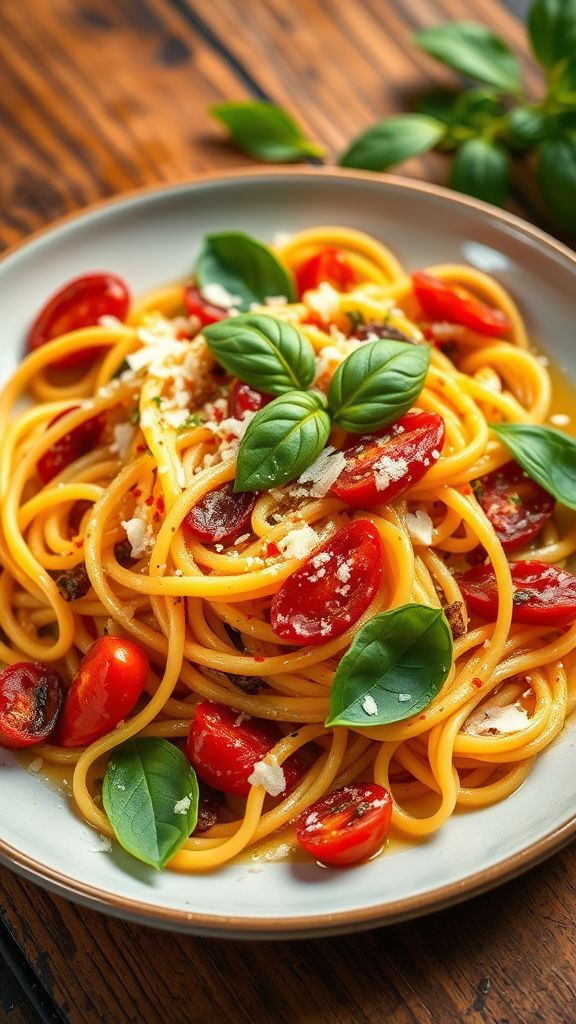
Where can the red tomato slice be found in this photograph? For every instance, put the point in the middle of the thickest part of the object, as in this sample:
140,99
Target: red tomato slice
70,446
243,398
104,690
452,304
30,700
329,265
196,305
516,506
224,748
79,303
347,826
543,594
220,515
332,589
380,468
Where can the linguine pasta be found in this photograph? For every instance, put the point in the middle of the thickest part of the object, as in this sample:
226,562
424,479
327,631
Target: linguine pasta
201,610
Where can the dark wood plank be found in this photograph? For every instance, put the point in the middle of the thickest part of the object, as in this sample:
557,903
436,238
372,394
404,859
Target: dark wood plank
22,997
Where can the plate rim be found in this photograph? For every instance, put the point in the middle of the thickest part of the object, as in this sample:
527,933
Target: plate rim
201,923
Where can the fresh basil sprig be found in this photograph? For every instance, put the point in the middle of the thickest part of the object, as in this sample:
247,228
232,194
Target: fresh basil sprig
397,663
484,125
244,267
150,795
265,131
546,455
267,353
376,384
283,439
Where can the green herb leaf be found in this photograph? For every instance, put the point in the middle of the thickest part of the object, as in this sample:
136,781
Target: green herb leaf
564,87
552,30
390,142
546,455
244,266
557,177
376,384
265,131
480,169
474,51
476,108
396,665
283,439
150,795
525,127
193,420
270,355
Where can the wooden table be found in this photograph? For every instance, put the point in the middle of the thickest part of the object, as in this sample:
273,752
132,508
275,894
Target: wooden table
101,96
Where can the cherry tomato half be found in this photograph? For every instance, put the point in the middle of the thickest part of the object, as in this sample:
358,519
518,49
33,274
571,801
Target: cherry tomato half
220,515
196,305
543,594
223,747
332,589
104,690
455,305
70,446
79,303
516,506
380,468
347,826
30,700
329,265
243,398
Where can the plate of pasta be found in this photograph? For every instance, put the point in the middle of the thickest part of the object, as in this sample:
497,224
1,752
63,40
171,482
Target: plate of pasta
288,497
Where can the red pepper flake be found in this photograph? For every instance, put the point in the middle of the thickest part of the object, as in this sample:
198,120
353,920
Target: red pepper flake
136,492
272,549
258,657
477,682
79,543
160,505
218,414
141,447
149,501
421,717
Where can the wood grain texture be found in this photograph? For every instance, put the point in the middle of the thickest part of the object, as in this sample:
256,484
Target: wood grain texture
505,958
98,97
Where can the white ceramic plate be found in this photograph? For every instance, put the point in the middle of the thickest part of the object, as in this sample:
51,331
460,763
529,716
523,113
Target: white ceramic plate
150,238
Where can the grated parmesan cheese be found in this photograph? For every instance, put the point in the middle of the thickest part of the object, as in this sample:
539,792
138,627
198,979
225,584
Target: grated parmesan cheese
299,543
35,766
387,471
181,806
123,437
270,775
419,527
324,300
560,419
496,720
369,705
139,535
323,472
218,295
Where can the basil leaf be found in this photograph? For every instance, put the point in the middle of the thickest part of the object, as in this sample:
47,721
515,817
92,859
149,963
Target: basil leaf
376,384
546,455
265,131
480,169
150,795
564,87
244,267
474,51
283,439
390,142
557,177
552,30
270,355
396,665
525,127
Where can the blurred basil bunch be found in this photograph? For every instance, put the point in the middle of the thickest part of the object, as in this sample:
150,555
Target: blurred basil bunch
483,125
